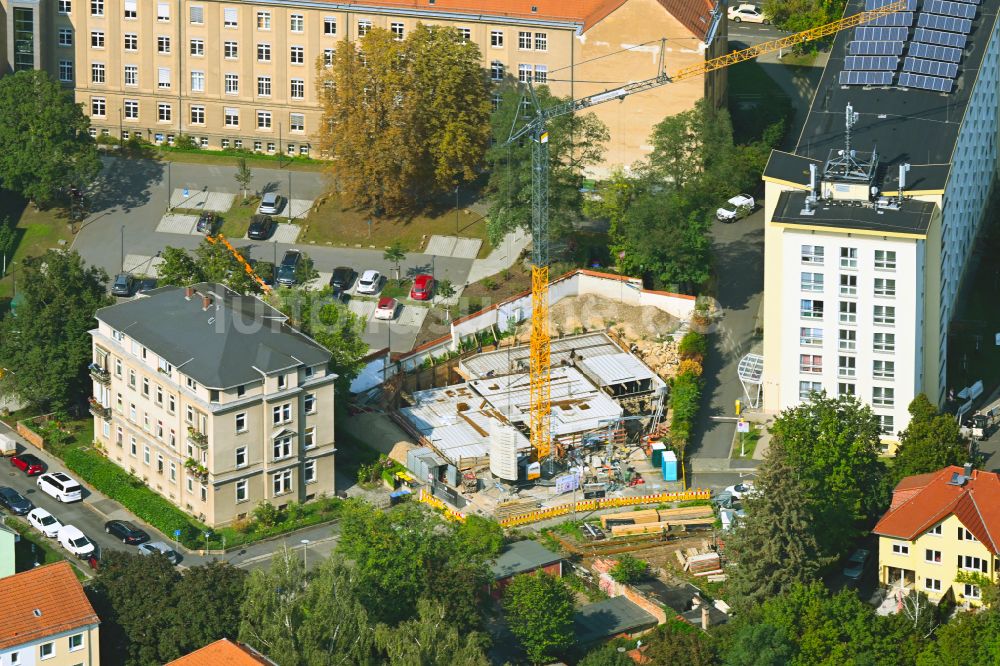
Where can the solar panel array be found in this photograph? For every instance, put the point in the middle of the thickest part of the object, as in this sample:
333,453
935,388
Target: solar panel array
940,32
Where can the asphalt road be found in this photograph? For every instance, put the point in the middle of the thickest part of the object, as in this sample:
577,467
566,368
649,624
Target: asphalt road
751,34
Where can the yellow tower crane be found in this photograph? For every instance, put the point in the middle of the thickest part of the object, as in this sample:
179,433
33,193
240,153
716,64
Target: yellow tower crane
535,128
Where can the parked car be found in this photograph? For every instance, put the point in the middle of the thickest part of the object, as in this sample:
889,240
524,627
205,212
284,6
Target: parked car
159,548
342,278
288,269
736,208
207,222
369,282
740,489
61,486
748,13
855,566
44,522
270,204
75,541
261,227
423,287
386,308
123,285
30,464
14,501
126,531
146,284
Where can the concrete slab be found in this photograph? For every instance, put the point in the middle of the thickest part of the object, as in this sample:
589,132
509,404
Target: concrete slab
364,309
299,208
286,233
411,315
218,202
467,248
142,264
442,246
453,246
175,223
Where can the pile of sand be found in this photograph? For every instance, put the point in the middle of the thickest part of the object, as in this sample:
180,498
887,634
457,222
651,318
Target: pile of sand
589,312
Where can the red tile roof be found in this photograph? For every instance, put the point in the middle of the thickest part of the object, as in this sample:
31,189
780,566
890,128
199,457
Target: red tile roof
41,602
223,652
920,502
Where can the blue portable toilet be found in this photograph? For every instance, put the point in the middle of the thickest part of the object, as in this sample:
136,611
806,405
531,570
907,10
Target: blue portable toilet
669,466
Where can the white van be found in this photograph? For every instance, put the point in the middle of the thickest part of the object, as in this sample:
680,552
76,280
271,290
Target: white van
60,486
75,541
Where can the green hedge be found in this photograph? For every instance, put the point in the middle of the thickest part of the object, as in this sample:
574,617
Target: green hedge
685,397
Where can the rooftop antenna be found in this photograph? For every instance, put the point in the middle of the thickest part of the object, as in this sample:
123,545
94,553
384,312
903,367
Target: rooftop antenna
811,198
850,119
904,168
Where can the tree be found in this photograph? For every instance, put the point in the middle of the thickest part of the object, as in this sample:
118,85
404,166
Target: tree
445,290
799,15
539,611
8,239
677,642
430,639
628,569
477,539
774,546
211,262
44,141
243,176
930,442
755,644
576,141
395,254
178,268
606,655
47,345
969,638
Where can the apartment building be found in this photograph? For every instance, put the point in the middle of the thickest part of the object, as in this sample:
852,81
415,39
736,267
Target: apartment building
213,400
236,74
938,526
870,222
47,619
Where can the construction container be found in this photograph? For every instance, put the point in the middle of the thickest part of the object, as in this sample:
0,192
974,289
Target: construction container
669,466
657,453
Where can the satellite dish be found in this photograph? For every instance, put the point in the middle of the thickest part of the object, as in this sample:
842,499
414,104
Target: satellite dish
840,152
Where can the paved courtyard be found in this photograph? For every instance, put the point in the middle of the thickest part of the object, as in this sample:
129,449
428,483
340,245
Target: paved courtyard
217,202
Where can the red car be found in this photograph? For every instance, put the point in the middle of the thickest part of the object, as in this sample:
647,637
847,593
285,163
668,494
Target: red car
423,287
28,464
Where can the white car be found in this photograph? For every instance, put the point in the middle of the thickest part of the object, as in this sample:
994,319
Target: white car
75,541
747,13
61,486
740,489
738,207
369,282
44,522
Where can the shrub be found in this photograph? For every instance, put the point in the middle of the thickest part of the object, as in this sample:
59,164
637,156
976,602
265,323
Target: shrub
489,284
685,396
266,515
693,345
689,366
628,569
185,142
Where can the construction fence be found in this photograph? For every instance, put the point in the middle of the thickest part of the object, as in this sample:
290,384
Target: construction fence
604,503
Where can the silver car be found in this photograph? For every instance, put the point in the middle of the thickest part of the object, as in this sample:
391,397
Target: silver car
158,547
270,204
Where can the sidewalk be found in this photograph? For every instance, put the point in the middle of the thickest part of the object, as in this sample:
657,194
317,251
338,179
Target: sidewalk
503,256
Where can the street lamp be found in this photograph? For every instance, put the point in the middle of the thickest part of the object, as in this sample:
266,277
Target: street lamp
305,553
123,249
456,210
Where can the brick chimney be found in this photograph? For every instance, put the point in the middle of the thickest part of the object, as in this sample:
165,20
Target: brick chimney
704,617
206,301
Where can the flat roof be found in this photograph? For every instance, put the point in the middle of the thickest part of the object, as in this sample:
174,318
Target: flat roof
515,359
595,622
619,368
453,420
521,557
913,217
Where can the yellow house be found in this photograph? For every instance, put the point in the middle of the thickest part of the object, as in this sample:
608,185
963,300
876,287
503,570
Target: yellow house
939,525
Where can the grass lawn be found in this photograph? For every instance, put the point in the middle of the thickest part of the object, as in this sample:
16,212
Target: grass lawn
38,231
749,442
220,158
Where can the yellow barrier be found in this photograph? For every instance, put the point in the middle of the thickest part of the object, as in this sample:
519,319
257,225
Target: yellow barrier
430,500
605,503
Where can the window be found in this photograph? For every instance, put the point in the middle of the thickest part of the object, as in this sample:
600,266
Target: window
65,37
541,41
131,9
263,86
171,403
241,457
131,41
329,26
465,34
66,71
496,70
811,282
298,89
846,388
397,31
197,115
282,482
296,22
297,55
162,44
808,388
75,642
296,122
966,535
884,287
848,285
281,413
232,117
309,471
932,584
97,7
241,422
263,120
309,438
846,367
885,424
884,369
304,150
145,387
811,336
163,77
810,363
885,260
310,372
97,39
933,556
972,591
884,342
496,38
364,25
46,650
241,491
883,397
232,84
810,309
231,50
263,52
309,403
541,74
327,57
163,11
163,112
65,6
847,340
849,258
263,20
901,549
970,563
198,83
198,47
132,76
282,382
257,145
524,73
848,313
936,530
884,314
133,447
229,17
98,108
524,41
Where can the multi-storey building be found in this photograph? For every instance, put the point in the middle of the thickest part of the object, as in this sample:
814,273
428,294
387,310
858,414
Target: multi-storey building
47,619
213,400
862,271
938,526
236,74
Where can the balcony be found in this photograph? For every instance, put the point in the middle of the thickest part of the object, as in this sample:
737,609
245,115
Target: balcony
99,410
196,438
99,374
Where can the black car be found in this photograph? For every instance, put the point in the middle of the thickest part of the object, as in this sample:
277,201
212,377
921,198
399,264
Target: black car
14,502
126,531
206,223
342,278
261,227
287,271
123,285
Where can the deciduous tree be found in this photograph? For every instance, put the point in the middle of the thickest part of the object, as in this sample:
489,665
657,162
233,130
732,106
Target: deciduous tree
395,254
677,642
539,611
930,441
430,639
210,262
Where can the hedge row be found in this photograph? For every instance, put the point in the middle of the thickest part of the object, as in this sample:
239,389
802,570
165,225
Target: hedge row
685,389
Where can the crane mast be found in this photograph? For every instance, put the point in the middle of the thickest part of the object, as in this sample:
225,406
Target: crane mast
535,129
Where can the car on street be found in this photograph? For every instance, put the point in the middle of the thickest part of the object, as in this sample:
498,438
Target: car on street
123,285
72,539
342,278
747,13
736,208
207,222
369,282
270,204
30,464
61,486
146,284
739,490
126,531
261,227
44,522
386,308
14,501
855,566
287,274
159,548
423,287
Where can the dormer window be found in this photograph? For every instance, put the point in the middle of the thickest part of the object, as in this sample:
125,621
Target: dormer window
282,382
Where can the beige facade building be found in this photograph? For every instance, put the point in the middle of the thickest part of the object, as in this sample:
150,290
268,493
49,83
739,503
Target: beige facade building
237,74
213,400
